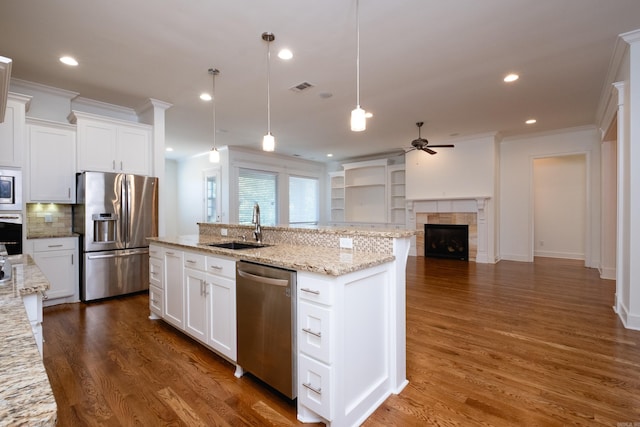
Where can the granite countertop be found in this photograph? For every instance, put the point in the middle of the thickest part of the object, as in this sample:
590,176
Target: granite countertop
26,397
316,259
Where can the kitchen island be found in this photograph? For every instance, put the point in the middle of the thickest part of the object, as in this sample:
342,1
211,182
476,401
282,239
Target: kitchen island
26,397
351,326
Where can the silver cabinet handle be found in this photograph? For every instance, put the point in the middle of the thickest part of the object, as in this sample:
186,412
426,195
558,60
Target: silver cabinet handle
69,192
120,164
216,267
311,291
54,246
190,261
114,165
312,388
309,331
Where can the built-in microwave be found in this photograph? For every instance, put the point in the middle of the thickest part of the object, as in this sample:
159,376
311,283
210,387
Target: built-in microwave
10,190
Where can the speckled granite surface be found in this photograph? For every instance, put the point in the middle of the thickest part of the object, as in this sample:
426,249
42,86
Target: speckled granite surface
324,260
26,398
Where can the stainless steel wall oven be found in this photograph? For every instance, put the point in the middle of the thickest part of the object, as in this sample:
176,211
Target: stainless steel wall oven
11,232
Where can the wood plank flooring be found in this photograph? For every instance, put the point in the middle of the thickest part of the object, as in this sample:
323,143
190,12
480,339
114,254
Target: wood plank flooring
511,344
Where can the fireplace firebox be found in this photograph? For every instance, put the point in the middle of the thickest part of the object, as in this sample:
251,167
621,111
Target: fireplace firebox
446,241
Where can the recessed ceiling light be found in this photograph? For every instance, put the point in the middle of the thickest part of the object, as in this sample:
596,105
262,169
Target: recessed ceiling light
511,78
169,149
531,121
329,155
285,54
368,115
205,97
68,60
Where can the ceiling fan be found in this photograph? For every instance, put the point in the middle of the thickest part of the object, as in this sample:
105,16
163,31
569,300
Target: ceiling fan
421,143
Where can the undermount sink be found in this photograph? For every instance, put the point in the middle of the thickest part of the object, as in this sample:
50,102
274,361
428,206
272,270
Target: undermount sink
238,245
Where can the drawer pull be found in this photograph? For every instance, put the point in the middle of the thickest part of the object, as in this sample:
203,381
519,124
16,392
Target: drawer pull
312,388
216,267
309,331
190,261
311,291
54,246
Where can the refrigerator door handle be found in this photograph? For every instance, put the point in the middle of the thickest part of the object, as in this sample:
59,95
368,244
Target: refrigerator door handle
119,254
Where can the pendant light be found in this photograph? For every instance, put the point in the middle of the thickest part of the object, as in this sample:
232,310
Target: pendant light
358,118
268,141
214,154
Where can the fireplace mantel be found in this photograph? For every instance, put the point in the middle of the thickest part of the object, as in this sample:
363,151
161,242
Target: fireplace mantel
476,204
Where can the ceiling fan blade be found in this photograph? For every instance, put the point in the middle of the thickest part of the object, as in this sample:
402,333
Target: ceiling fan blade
428,150
442,146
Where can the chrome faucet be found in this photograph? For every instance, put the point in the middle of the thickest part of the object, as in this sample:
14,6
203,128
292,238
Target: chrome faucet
257,232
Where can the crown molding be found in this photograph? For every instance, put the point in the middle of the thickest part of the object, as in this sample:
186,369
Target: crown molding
44,88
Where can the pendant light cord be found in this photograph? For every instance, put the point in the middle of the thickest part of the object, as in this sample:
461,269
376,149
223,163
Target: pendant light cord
269,87
358,53
214,72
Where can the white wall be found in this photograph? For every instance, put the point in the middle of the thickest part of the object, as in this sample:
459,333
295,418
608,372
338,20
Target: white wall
468,170
170,204
516,188
190,197
559,188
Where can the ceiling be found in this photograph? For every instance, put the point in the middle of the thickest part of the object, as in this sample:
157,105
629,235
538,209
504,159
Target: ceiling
437,61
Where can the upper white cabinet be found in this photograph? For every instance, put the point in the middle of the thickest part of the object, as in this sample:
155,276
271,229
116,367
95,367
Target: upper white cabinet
365,186
337,195
396,194
111,145
52,161
12,130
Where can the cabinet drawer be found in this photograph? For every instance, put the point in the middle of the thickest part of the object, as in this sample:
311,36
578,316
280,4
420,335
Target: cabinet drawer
221,267
55,244
314,326
314,386
314,288
156,251
195,261
156,296
156,272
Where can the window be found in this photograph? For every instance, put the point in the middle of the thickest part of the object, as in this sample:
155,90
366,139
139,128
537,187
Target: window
257,187
303,200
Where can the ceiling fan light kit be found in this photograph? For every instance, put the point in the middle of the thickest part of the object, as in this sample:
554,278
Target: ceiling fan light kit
422,144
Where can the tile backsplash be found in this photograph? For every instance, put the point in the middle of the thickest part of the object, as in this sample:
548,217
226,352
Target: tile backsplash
49,220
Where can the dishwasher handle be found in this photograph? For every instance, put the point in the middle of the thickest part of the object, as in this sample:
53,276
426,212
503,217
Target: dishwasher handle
264,280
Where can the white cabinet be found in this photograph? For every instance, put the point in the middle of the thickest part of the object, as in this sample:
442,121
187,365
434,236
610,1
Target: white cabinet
221,302
156,281
396,187
33,306
195,289
12,130
174,288
336,180
110,145
365,186
52,162
199,297
344,345
58,260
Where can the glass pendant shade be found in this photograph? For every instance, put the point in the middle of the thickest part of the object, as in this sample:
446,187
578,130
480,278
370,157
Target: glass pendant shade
268,142
358,119
214,155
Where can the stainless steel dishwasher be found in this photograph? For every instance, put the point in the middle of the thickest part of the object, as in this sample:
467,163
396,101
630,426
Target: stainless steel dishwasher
266,318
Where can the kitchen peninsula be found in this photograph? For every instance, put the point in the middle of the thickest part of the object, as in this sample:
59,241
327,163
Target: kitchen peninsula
351,319
26,397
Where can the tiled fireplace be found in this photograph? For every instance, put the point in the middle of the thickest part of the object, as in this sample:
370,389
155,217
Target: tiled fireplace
469,212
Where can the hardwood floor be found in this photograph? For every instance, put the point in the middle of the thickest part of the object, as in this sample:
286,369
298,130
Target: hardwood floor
510,344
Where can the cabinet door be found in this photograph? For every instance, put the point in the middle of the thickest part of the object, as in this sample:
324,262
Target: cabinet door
195,320
96,146
174,289
222,315
52,153
59,269
12,133
134,150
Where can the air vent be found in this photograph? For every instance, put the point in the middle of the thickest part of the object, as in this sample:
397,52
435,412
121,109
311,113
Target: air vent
301,87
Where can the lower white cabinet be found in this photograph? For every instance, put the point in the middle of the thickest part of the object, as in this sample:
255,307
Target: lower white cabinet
174,288
58,260
33,306
199,296
156,281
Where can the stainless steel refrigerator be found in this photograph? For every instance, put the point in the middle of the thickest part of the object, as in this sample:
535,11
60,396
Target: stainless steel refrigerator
115,213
